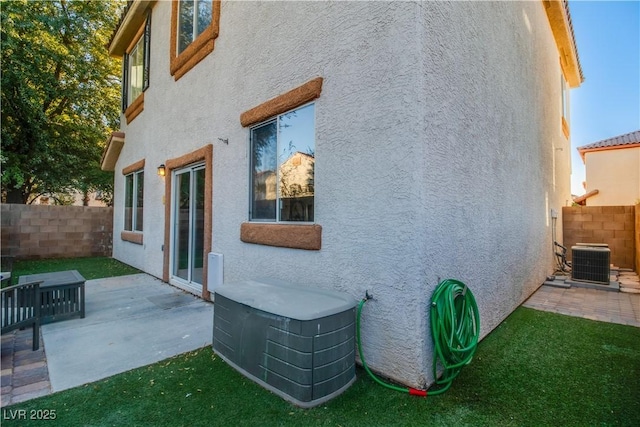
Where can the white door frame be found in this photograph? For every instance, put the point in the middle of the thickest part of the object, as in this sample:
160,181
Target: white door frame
188,285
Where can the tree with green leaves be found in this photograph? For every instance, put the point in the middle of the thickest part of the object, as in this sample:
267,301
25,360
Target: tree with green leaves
60,96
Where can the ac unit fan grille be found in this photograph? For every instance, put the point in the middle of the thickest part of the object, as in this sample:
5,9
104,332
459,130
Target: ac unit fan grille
590,264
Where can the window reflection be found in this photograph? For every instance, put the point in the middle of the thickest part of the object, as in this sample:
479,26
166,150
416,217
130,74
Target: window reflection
193,18
133,201
204,16
128,202
139,200
136,71
283,162
296,156
263,151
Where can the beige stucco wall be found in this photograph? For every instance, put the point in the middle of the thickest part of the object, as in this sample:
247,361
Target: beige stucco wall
439,153
616,176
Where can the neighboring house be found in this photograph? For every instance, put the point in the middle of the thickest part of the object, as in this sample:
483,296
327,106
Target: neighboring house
612,169
352,146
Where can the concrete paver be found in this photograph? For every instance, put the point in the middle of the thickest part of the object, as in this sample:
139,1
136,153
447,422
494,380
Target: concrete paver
613,307
24,372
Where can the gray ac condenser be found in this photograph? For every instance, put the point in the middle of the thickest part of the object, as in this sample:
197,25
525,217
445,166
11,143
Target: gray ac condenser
590,264
296,341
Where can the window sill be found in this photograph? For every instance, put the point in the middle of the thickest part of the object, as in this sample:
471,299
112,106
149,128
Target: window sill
130,236
294,236
135,108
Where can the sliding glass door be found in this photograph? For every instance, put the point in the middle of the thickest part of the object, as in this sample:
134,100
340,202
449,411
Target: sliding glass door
187,248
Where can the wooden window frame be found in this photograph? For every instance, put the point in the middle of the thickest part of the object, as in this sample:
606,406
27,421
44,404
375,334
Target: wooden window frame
133,236
286,235
202,46
136,106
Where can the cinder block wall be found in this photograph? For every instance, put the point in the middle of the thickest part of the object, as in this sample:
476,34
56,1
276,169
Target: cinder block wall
37,231
613,225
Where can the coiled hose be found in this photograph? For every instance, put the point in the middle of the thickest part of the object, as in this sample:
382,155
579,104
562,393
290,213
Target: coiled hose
455,328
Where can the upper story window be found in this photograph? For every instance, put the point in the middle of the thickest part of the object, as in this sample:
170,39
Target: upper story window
133,200
194,28
282,167
136,71
193,18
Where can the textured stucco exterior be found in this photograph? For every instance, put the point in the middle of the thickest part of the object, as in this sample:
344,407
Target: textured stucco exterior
615,174
439,153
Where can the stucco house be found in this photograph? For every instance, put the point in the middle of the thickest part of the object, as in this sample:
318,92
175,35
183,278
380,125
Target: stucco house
612,168
349,146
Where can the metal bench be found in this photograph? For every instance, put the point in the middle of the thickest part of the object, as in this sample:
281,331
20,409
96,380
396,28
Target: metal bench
20,307
61,294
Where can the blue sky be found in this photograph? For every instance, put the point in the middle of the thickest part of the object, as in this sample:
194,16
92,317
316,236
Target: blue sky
607,104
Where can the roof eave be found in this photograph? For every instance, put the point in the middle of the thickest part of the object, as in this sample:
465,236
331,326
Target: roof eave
129,26
562,29
583,151
112,151
582,199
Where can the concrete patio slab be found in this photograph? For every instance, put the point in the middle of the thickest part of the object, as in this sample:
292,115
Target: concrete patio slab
131,321
137,320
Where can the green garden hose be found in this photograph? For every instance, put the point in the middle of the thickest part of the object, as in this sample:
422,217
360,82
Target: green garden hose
455,328
364,363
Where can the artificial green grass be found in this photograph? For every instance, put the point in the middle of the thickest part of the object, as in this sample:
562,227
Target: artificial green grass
89,268
535,369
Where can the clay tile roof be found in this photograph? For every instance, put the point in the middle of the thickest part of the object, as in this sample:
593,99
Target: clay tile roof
626,139
573,38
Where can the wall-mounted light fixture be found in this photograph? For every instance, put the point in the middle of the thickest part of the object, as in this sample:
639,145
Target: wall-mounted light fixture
162,170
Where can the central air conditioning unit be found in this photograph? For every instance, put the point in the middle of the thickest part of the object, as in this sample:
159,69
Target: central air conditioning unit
590,264
295,341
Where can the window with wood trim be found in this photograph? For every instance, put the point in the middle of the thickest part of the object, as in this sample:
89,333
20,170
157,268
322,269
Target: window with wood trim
194,28
276,217
282,167
194,16
134,201
135,65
